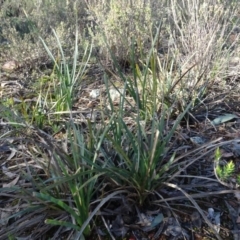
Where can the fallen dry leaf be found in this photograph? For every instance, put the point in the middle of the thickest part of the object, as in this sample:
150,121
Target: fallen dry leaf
12,183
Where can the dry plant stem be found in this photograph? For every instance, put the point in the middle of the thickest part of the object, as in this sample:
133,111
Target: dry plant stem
153,150
198,195
108,229
196,177
189,197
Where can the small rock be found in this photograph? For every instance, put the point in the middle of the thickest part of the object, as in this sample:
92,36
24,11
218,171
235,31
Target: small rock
115,94
94,93
10,66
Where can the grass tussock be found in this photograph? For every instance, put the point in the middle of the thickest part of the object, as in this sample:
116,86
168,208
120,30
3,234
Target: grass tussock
112,118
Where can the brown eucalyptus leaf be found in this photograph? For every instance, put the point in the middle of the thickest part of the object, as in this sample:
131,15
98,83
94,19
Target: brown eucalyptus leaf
13,152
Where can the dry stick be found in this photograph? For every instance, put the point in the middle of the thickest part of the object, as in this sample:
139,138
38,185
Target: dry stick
197,195
108,229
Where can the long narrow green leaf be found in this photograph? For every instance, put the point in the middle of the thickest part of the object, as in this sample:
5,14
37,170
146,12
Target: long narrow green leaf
62,223
60,48
120,151
170,134
49,53
58,202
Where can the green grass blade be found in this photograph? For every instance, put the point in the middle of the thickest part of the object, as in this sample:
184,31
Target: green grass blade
58,202
62,223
